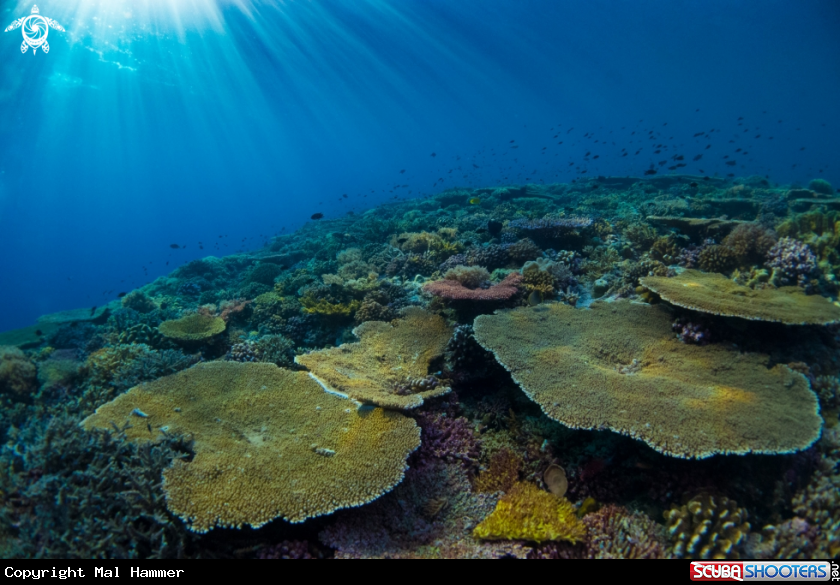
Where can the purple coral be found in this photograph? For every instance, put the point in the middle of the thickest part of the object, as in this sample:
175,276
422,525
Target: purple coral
448,438
794,261
689,332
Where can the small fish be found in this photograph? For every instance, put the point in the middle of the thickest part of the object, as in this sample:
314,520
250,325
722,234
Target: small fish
38,332
402,171
93,310
434,154
650,172
692,184
534,299
176,246
474,200
317,216
121,295
698,157
140,413
731,163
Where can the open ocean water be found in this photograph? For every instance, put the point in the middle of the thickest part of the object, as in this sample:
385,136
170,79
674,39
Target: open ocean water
420,279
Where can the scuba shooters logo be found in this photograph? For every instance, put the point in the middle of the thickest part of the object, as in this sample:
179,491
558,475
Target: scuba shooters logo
35,29
764,571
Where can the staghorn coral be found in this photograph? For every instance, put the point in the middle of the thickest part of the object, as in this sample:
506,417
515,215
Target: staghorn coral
268,442
196,327
716,294
243,352
617,366
18,375
528,513
383,359
451,290
708,527
74,494
450,438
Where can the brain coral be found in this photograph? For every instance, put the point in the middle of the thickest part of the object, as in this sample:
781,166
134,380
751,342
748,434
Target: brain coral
528,513
716,294
617,366
385,357
194,327
268,442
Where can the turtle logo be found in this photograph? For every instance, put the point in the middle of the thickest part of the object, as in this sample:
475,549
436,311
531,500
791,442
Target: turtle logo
35,29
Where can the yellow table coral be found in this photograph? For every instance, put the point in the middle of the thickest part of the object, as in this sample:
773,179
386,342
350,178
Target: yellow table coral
386,356
528,513
618,366
716,294
268,443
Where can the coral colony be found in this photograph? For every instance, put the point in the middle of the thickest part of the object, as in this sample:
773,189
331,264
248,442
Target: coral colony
529,372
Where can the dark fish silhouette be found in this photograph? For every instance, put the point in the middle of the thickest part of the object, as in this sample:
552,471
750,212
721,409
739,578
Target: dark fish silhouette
650,172
93,310
316,216
176,246
434,154
731,163
120,295
698,157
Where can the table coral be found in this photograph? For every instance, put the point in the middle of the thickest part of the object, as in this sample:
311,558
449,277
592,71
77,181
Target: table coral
386,356
196,327
716,294
268,443
617,366
528,513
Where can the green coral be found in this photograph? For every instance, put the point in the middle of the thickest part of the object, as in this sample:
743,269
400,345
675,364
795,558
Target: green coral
315,306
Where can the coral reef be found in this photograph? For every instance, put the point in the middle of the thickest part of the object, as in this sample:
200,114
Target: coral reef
617,366
268,443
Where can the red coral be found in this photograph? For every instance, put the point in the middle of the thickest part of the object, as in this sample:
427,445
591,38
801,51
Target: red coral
452,290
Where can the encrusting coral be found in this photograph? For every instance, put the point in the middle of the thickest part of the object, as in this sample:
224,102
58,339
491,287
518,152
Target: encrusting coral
196,327
387,357
268,443
618,366
716,294
528,513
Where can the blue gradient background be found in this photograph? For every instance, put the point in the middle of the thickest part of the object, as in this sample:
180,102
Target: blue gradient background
168,121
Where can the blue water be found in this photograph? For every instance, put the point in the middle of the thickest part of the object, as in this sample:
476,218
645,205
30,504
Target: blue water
166,122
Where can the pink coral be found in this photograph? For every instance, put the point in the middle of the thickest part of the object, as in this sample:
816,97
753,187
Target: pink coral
452,290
